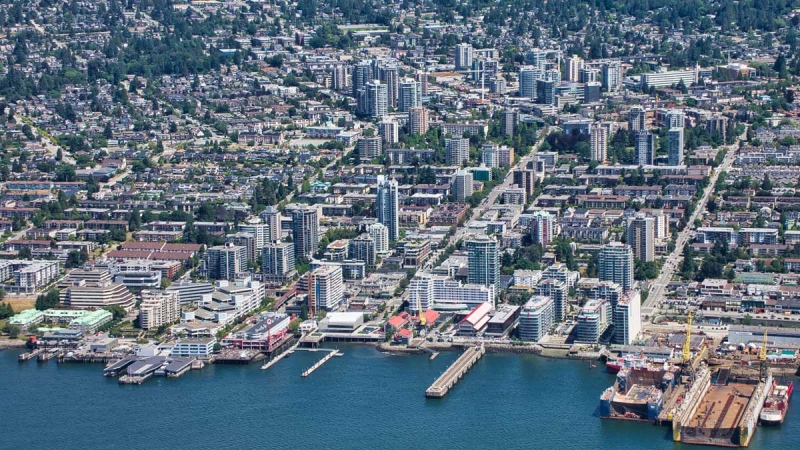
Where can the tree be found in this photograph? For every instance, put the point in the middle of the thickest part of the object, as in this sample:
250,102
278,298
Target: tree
48,300
117,312
25,253
13,331
6,311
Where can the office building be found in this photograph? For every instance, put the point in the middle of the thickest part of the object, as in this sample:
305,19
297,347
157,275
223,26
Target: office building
389,131
542,226
546,92
464,56
326,287
527,81
223,262
369,148
598,142
277,262
192,293
616,264
644,148
272,219
158,308
93,289
456,150
305,230
362,248
387,205
637,119
611,76
627,318
462,185
574,65
641,237
380,234
668,78
409,95
483,255
536,319
675,146
418,121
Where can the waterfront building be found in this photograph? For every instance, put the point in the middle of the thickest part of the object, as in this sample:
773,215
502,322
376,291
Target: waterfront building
194,347
559,292
592,322
91,322
627,318
442,293
158,308
536,318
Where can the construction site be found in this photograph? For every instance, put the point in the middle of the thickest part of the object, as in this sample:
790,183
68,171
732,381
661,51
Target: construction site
704,406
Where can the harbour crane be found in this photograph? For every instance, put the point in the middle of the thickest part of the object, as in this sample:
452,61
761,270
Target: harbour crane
762,357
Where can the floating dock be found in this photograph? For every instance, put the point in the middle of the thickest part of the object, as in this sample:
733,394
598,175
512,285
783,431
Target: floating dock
724,414
319,363
30,355
455,372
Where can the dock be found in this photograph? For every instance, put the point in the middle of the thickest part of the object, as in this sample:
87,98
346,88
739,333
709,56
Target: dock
140,371
178,366
319,363
279,357
455,372
114,368
30,355
49,354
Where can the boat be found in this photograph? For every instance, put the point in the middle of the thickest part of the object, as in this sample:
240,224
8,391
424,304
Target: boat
631,361
776,404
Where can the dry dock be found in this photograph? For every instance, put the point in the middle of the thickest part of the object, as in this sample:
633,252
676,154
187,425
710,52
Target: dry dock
455,372
723,414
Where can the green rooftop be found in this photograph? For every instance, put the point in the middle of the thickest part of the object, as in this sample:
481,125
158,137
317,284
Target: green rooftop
26,317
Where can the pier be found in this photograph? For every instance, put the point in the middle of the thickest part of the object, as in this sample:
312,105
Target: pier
279,357
319,363
30,355
455,372
49,354
113,369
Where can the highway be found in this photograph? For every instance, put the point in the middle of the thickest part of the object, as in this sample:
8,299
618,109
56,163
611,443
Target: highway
658,286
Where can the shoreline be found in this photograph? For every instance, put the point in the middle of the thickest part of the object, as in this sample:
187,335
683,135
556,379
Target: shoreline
550,353
11,343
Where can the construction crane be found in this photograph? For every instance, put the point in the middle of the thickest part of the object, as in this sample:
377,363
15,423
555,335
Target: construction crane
687,343
762,356
422,318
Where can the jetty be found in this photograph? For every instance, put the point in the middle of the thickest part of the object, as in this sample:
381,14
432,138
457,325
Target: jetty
279,357
455,372
319,363
49,354
30,355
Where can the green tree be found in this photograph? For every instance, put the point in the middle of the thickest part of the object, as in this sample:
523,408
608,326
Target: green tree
48,300
13,331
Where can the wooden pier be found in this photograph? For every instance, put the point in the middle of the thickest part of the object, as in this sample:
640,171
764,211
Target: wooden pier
455,372
49,354
319,363
30,355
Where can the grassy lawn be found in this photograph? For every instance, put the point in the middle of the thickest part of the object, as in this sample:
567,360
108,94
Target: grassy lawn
20,303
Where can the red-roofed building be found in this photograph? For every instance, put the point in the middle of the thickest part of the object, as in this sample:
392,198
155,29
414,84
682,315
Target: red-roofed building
476,320
399,321
403,336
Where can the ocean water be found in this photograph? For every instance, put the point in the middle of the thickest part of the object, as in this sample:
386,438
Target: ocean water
363,400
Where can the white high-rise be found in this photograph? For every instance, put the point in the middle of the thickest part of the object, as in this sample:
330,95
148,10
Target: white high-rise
456,151
627,318
326,289
380,234
387,205
574,65
616,264
409,95
272,218
598,142
462,185
464,56
641,237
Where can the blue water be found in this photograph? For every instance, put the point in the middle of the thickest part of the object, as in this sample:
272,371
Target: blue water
363,400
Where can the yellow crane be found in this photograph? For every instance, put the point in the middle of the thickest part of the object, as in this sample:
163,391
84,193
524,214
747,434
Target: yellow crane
762,356
687,343
422,318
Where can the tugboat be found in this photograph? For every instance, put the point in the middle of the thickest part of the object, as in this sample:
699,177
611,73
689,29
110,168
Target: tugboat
776,404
